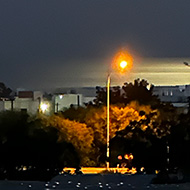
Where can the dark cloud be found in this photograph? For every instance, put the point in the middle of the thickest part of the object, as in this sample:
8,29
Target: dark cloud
36,34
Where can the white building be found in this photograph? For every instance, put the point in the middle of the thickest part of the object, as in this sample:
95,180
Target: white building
32,101
177,95
27,101
64,98
64,101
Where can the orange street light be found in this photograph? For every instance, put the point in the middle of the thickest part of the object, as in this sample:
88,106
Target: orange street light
121,61
123,64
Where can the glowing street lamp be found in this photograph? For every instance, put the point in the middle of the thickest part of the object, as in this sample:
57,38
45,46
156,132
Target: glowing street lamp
123,64
121,61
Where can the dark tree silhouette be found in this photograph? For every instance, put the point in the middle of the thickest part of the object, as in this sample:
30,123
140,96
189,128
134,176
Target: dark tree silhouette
137,91
4,91
27,142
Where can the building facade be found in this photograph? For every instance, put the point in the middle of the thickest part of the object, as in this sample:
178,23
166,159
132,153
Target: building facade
27,101
178,96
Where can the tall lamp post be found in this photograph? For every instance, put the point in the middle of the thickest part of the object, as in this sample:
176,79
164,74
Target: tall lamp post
108,121
123,64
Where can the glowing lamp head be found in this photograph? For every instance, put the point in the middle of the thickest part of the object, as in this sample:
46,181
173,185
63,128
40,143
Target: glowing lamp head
123,64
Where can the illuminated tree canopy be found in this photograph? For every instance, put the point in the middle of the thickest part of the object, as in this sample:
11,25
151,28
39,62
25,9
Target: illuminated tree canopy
73,132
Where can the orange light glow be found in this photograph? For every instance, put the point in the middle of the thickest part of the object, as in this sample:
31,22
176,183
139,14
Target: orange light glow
96,170
128,156
127,170
122,61
119,157
142,169
157,171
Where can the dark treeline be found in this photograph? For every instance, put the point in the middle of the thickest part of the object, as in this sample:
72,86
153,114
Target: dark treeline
25,142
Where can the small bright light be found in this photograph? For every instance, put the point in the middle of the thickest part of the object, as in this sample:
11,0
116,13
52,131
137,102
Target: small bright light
156,171
142,169
43,107
123,64
128,156
24,168
119,157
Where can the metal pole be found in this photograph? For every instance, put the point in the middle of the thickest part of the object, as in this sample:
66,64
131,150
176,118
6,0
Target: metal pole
57,107
108,120
168,156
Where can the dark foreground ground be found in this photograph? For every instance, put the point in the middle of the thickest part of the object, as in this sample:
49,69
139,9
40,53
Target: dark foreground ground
93,182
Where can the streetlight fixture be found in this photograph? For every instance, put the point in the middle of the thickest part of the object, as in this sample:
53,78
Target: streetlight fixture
121,61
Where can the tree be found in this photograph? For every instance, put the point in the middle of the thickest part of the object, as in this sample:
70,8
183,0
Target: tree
138,124
78,134
26,141
75,113
137,91
115,96
4,91
132,122
179,142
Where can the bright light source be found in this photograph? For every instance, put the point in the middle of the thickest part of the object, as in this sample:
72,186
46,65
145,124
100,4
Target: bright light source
123,64
119,157
24,168
142,169
44,107
128,156
122,61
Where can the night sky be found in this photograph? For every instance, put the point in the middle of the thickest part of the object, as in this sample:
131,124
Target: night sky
58,43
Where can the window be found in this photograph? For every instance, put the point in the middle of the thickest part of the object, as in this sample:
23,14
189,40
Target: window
24,110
